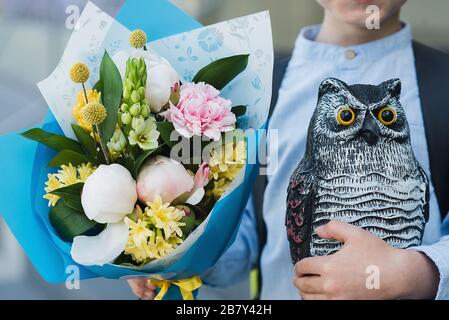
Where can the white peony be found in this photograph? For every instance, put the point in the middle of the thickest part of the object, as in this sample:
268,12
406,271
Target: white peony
161,76
100,249
109,194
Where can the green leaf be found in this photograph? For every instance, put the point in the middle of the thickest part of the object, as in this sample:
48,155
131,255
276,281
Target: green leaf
189,220
128,162
71,195
200,213
68,222
54,141
98,86
111,95
165,128
68,156
239,110
220,72
88,144
181,199
141,159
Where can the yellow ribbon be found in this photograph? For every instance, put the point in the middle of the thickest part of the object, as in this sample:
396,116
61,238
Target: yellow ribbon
186,286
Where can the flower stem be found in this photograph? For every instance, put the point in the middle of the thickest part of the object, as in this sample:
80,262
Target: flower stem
94,127
102,146
85,94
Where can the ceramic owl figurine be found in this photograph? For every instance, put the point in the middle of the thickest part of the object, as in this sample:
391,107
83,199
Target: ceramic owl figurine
358,167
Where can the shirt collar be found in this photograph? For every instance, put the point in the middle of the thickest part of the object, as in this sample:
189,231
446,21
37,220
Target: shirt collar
307,48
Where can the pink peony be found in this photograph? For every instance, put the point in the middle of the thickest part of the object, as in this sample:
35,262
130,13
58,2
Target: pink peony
201,111
163,177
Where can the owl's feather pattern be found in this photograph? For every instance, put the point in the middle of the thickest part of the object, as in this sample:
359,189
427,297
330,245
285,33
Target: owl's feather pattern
300,202
379,187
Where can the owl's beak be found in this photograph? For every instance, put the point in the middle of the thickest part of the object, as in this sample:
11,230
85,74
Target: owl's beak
370,130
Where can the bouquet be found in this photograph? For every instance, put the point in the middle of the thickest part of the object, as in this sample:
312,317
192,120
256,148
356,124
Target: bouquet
148,161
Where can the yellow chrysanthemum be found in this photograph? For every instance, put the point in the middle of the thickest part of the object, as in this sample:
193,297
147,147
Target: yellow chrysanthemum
227,161
152,249
85,170
138,232
66,176
162,247
138,254
175,241
219,188
138,39
165,217
79,73
92,96
52,184
94,113
148,236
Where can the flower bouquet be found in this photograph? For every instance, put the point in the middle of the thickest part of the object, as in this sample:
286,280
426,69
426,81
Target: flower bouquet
147,168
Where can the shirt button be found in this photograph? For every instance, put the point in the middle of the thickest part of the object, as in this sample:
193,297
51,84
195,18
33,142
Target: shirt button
350,54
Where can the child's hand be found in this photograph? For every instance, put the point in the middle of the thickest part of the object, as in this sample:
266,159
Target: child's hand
347,274
142,288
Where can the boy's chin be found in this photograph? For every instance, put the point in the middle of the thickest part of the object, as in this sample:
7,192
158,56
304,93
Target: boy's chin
354,12
356,18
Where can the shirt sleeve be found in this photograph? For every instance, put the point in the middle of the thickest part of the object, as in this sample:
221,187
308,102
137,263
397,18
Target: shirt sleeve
439,254
236,263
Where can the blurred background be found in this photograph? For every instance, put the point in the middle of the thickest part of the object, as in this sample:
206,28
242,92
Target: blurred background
32,37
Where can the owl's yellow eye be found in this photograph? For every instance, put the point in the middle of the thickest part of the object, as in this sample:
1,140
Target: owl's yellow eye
387,116
346,116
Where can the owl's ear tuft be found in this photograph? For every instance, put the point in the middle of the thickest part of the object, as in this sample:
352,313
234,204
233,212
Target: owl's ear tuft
393,87
331,85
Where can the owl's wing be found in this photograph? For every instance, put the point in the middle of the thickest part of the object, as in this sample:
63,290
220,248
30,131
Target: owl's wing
426,199
300,205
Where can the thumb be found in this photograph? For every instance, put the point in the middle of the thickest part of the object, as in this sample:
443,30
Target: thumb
338,230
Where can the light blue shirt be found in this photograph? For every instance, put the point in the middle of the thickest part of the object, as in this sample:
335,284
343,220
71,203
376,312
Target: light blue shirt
312,62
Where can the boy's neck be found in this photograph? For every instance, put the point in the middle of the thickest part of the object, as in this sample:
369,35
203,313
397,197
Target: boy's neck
343,34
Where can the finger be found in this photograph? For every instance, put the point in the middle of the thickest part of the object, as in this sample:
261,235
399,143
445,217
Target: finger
132,283
149,295
138,287
138,291
338,230
136,283
150,286
309,284
310,266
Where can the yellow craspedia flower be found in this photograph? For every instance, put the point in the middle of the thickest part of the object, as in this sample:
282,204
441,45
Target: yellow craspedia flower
165,217
66,176
92,96
227,161
94,113
79,73
138,39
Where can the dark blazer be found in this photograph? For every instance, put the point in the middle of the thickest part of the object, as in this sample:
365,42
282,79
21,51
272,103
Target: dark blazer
432,67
